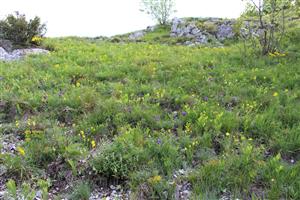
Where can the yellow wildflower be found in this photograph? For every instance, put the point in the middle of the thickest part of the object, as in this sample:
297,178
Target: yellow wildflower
17,124
21,151
227,134
77,84
155,179
275,94
272,55
36,39
93,143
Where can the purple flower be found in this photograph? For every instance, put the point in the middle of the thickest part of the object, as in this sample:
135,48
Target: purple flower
184,113
159,141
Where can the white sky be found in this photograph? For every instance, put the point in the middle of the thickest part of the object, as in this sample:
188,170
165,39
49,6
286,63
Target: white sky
109,17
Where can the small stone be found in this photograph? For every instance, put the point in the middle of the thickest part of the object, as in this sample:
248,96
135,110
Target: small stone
38,194
292,161
112,187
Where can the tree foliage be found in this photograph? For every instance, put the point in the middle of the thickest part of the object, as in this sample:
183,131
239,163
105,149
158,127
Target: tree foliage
160,10
270,19
17,29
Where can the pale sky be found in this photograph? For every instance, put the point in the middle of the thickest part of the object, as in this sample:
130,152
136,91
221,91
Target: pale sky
109,17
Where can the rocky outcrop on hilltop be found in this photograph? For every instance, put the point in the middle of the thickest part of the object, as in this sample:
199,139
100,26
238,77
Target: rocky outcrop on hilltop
202,31
191,31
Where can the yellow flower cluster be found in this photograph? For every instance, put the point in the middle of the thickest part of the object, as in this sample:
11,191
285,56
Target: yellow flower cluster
155,179
195,143
88,140
21,151
188,128
277,54
82,134
36,39
93,143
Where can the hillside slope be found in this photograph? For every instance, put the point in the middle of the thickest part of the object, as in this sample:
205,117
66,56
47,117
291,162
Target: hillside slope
163,122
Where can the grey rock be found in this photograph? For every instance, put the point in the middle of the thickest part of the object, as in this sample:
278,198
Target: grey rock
188,43
2,194
202,39
225,31
180,29
6,45
136,35
20,53
151,28
195,31
175,23
38,195
3,54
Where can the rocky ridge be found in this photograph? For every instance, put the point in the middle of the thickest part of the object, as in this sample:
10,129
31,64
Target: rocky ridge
195,31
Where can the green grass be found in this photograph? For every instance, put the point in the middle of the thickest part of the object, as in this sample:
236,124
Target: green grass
138,112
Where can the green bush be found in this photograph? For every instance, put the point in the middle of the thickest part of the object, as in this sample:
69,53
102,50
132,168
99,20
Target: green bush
82,191
210,27
21,32
121,157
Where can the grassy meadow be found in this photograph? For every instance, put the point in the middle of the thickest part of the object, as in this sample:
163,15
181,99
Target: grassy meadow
136,113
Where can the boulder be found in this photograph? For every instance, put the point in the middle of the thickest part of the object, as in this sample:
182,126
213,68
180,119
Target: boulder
179,28
6,44
19,53
136,35
225,31
202,39
175,25
3,54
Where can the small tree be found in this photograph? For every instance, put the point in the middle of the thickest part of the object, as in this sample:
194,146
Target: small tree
271,22
21,32
160,10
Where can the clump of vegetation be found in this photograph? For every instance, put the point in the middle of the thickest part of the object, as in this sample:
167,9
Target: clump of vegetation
20,31
210,27
269,28
82,191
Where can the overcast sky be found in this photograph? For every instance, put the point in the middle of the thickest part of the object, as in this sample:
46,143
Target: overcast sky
109,17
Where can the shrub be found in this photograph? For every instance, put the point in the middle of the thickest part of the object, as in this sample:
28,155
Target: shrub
21,32
271,17
82,191
210,27
121,157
